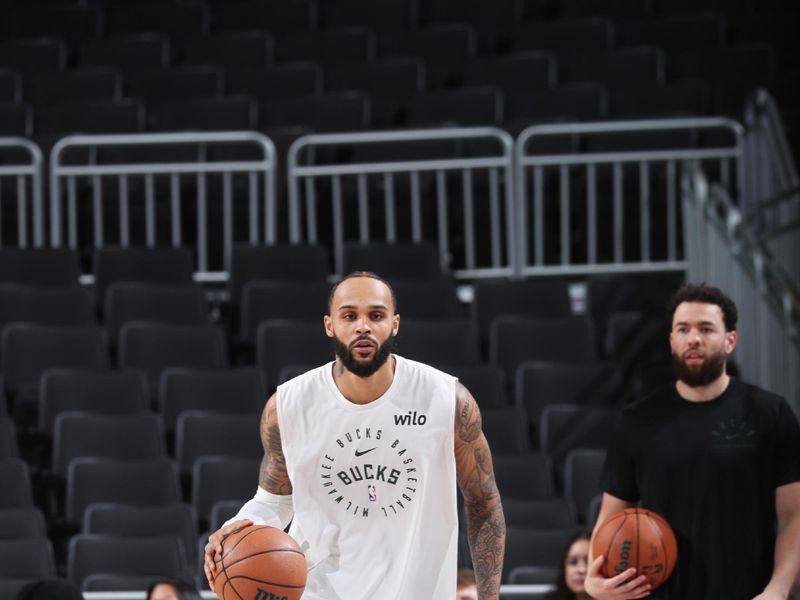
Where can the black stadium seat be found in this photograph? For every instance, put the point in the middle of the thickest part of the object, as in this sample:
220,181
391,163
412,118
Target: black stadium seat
201,434
440,342
136,483
512,72
151,265
526,547
8,438
235,391
277,16
621,67
116,392
26,559
68,305
154,347
276,81
121,437
239,50
10,87
28,350
468,106
554,513
565,37
15,481
418,262
158,557
43,266
137,52
183,304
99,116
582,102
16,120
119,520
74,85
37,55
525,476
219,478
157,86
325,113
22,523
384,16
284,343
238,113
329,48
265,300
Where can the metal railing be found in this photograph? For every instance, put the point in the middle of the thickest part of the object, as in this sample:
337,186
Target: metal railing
456,158
604,225
149,172
772,200
26,177
722,251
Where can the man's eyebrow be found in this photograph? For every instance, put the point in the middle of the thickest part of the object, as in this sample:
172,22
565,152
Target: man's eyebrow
698,322
373,306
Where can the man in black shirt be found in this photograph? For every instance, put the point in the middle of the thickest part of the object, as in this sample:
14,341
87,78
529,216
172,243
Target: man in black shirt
719,459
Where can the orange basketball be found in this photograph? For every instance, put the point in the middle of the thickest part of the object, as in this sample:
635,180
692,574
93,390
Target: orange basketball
260,563
638,538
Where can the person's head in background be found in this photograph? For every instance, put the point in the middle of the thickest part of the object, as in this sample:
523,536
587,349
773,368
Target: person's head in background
172,589
570,583
466,586
50,589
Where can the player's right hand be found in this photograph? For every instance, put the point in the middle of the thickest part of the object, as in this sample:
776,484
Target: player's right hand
625,586
214,547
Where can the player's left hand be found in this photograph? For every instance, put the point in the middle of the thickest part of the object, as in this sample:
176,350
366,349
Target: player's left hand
770,595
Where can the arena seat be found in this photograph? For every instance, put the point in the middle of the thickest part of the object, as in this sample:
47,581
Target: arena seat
106,392
22,523
235,391
518,71
241,49
154,347
565,37
201,434
526,547
218,478
620,67
566,427
394,261
325,113
386,16
130,53
69,23
580,101
75,85
178,21
26,559
269,300
45,305
467,106
37,55
136,483
98,116
222,511
283,343
514,340
443,48
440,342
506,431
485,382
551,513
182,304
156,557
42,266
237,113
546,297
525,477
15,480
279,15
582,470
8,438
542,383
157,86
121,437
329,48
269,83
28,350
119,520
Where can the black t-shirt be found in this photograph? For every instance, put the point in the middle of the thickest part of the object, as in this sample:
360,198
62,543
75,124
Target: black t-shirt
710,469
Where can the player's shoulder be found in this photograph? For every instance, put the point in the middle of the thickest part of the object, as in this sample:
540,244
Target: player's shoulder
416,369
761,397
303,381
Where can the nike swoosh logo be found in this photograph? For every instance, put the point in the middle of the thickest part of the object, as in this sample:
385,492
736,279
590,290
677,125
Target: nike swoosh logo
358,453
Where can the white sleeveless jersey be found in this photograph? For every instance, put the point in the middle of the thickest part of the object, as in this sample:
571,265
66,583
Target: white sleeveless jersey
374,485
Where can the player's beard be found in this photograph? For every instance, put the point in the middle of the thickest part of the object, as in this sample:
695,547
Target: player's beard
363,368
713,366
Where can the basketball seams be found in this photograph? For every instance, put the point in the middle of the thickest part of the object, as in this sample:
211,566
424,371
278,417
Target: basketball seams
611,539
657,528
236,562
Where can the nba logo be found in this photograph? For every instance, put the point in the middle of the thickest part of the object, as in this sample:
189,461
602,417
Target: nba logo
373,492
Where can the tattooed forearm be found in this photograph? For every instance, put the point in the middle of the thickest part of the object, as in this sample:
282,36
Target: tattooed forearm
272,475
485,522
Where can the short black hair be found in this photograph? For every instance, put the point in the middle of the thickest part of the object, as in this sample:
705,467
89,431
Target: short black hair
707,294
368,274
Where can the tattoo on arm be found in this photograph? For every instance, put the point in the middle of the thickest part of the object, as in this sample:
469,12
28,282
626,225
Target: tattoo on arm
485,522
273,476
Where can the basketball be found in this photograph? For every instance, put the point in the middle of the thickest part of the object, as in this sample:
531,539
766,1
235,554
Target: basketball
638,538
260,563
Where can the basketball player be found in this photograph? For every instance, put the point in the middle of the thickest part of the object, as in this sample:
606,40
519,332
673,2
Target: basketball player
718,458
363,455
